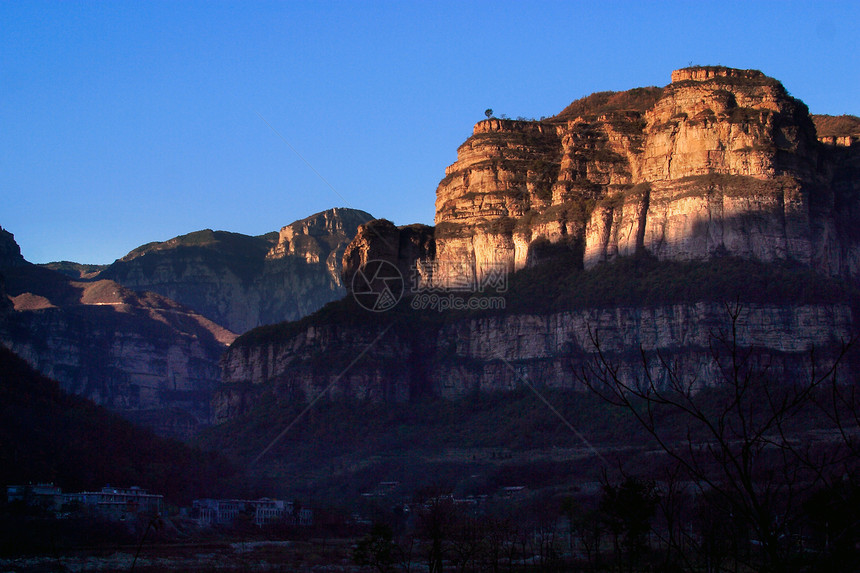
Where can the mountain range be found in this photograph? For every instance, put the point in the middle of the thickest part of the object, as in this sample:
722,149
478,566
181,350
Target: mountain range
143,336
623,225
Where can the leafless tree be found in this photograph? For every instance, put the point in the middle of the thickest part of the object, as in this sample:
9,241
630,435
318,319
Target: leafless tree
436,523
735,440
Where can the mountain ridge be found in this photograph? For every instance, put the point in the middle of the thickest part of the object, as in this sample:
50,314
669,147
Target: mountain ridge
139,354
240,281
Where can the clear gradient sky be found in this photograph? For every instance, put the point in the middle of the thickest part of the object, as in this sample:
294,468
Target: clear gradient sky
123,123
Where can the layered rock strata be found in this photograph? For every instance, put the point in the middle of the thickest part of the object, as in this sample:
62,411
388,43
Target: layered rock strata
719,161
504,352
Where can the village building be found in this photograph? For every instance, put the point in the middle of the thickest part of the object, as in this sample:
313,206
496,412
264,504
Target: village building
112,503
261,512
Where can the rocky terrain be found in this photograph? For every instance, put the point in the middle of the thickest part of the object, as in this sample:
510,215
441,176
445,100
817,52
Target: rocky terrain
687,234
498,353
382,240
241,282
719,166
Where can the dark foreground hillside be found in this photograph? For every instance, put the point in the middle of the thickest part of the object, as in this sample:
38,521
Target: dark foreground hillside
47,435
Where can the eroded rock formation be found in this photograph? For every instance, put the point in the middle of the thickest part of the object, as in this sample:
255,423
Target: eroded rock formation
406,360
382,240
719,161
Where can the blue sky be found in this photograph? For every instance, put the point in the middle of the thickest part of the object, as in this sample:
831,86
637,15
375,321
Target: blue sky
124,123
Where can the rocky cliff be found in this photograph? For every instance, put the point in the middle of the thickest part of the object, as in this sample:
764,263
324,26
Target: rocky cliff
403,359
241,282
719,161
152,353
382,240
140,354
721,172
10,252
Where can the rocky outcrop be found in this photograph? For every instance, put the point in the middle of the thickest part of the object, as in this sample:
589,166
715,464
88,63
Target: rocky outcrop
241,282
505,170
381,240
10,252
319,237
731,122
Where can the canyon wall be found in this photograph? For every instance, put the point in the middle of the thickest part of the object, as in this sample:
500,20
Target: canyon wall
399,360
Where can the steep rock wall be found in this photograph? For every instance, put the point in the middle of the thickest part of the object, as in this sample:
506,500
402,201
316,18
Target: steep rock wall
682,172
696,218
719,163
498,353
367,363
382,240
